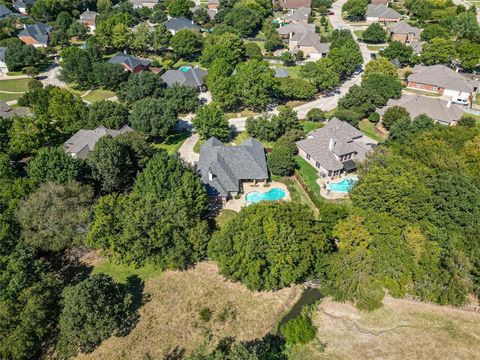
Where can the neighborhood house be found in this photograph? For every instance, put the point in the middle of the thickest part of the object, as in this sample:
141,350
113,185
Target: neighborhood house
442,80
89,19
83,141
129,62
224,169
137,4
36,35
176,24
295,4
22,6
381,13
295,16
403,32
187,76
309,44
335,148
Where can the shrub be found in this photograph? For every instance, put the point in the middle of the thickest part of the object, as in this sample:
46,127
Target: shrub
281,161
316,115
298,331
350,116
374,118
467,121
392,115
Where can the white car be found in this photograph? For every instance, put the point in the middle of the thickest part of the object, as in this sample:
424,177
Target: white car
461,101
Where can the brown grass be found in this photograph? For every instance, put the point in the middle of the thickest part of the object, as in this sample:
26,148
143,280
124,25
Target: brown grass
170,319
401,329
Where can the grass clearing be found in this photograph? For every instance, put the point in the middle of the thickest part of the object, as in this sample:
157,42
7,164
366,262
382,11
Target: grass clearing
296,193
173,142
14,85
98,95
311,125
375,47
120,272
368,129
421,92
170,321
224,216
9,97
401,329
293,71
309,175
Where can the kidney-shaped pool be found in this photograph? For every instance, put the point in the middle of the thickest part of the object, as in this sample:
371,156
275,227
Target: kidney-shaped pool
271,195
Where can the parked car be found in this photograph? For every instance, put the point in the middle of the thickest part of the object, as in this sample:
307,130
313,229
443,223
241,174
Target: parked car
461,101
358,70
331,13
373,56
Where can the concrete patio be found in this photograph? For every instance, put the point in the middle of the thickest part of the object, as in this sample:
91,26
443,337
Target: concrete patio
238,204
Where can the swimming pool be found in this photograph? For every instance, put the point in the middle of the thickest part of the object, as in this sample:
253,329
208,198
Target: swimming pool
184,68
343,186
271,195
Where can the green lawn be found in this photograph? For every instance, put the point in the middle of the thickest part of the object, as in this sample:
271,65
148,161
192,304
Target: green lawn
173,142
240,138
120,272
296,193
196,147
98,95
368,129
477,100
375,47
224,216
261,44
358,33
293,71
9,97
421,92
311,125
14,85
309,175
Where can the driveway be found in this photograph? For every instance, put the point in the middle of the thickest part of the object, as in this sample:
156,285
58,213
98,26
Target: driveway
52,76
186,150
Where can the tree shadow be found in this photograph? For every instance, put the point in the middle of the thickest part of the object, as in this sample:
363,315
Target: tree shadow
134,288
177,353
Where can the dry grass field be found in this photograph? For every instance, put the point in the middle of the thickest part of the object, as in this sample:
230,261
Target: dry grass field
170,320
401,329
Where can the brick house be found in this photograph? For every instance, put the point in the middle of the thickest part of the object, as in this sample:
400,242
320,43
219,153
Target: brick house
382,14
295,4
36,35
88,18
403,32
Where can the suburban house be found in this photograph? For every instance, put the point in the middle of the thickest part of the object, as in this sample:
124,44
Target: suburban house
403,32
186,76
6,112
36,35
83,141
442,111
129,62
417,46
335,148
22,6
380,2
442,80
4,11
309,44
137,4
381,13
212,4
297,15
3,64
89,19
295,28
176,24
295,4
224,169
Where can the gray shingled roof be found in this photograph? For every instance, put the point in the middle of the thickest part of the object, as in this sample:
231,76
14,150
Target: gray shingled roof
295,28
402,27
312,39
441,76
223,167
7,112
129,60
437,109
279,72
382,11
84,140
88,15
39,31
4,11
300,14
22,4
142,3
347,139
193,77
177,24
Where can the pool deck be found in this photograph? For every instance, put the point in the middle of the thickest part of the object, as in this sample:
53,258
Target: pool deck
331,195
238,204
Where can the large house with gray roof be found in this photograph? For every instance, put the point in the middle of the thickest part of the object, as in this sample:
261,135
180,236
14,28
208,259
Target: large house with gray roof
192,77
224,169
310,44
83,141
335,148
137,4
22,6
441,111
174,25
37,34
442,80
129,62
382,13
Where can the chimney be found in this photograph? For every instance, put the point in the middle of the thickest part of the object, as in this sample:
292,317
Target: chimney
449,103
210,176
331,144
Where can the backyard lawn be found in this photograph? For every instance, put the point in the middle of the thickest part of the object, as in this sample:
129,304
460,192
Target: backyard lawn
9,97
173,142
14,85
368,129
98,95
311,125
309,175
293,71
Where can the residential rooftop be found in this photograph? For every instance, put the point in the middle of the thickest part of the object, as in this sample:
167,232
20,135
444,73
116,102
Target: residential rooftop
129,60
177,24
39,31
193,77
403,27
381,11
442,77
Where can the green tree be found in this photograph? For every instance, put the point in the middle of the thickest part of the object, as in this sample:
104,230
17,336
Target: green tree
438,51
180,8
141,38
111,164
19,55
161,38
140,86
110,114
187,44
296,89
53,165
322,74
394,114
356,9
345,59
183,99
299,330
244,20
227,46
434,31
276,229
211,121
253,51
66,204
281,161
374,34
153,117
93,310
399,51
76,67
287,58
380,66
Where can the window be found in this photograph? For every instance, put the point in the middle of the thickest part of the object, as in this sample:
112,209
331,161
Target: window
308,157
317,164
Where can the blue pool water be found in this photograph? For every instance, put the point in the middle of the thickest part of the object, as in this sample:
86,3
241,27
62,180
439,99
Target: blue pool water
184,68
343,186
271,195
